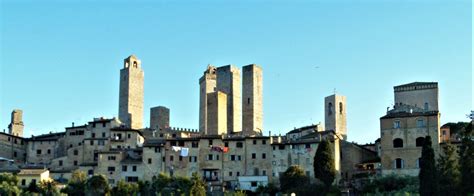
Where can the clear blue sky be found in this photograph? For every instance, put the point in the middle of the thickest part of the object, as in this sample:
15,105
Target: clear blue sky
60,61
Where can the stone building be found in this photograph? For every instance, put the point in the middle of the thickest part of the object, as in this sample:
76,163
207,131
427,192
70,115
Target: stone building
131,93
335,114
16,126
207,84
403,129
252,95
228,81
159,118
217,113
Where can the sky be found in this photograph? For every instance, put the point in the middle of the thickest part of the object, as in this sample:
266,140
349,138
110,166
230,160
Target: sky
60,60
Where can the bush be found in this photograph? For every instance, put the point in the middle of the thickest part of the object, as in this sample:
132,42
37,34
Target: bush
391,184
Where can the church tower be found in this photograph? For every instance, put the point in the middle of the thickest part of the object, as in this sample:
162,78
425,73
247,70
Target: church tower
335,114
16,125
131,93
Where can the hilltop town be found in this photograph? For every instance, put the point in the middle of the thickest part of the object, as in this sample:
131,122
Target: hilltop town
229,149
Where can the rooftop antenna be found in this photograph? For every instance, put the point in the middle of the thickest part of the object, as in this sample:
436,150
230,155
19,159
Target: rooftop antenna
335,91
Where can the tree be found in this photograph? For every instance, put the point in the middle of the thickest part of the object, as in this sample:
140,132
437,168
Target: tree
198,187
144,188
324,168
160,183
467,161
125,189
8,184
97,185
293,178
77,184
449,174
48,188
427,176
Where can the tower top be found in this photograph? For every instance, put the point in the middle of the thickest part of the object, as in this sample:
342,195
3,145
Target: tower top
132,62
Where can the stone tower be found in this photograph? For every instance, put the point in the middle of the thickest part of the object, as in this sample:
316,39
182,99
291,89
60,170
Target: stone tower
252,105
228,81
159,118
207,84
131,93
217,113
335,114
16,125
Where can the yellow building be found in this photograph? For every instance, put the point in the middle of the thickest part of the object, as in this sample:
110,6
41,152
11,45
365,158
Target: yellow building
26,176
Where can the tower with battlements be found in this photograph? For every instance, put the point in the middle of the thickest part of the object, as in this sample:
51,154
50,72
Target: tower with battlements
16,125
131,93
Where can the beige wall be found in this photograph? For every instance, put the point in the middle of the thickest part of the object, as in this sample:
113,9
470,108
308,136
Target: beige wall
131,93
252,103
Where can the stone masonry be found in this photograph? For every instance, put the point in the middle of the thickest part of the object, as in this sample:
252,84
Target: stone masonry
131,93
252,106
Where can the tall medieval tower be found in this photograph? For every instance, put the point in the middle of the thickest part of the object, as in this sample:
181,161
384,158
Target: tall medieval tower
207,84
252,105
335,114
16,125
228,81
131,93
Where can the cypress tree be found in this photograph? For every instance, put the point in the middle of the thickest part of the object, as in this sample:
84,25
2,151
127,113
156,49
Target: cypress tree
450,176
467,161
323,164
427,176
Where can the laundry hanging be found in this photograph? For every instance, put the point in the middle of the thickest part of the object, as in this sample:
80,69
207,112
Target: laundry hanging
184,152
176,148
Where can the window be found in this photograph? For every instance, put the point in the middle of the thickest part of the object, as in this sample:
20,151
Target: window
329,109
232,157
38,151
14,154
253,184
340,108
157,149
129,136
180,143
193,159
23,182
60,162
103,134
103,124
254,142
180,158
111,158
239,157
230,173
110,169
75,163
254,155
398,143
101,142
396,124
264,142
92,142
90,172
210,142
264,173
134,168
238,173
217,157
209,157
307,146
76,152
124,168
399,163
444,132
420,123
49,151
195,144
226,144
420,141
239,145
132,179
248,100
149,160
173,143
93,135
171,158
281,147
264,156
426,106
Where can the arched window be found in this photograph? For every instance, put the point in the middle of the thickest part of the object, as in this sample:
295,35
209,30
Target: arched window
340,107
135,64
329,108
398,143
420,141
398,163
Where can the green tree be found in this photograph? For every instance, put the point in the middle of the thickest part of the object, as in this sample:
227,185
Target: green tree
33,187
125,188
77,184
8,184
97,185
449,174
323,165
160,183
293,179
427,175
48,188
144,188
467,161
198,187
